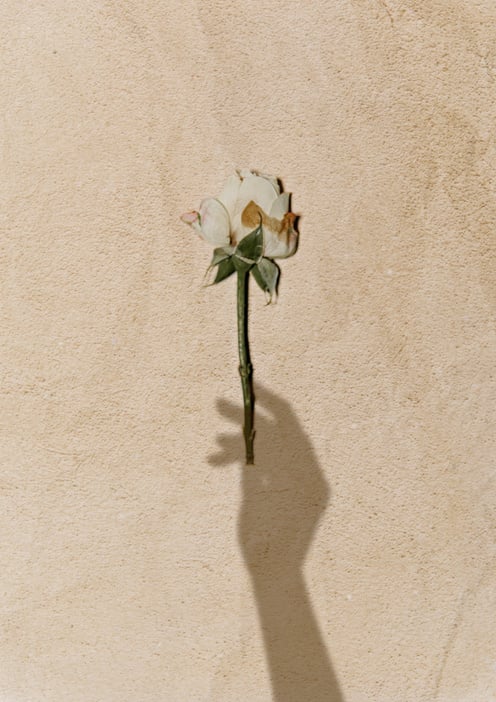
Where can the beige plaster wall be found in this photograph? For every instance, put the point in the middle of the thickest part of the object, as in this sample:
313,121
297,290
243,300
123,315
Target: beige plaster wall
139,560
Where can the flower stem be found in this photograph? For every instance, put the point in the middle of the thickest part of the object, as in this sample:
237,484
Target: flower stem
245,367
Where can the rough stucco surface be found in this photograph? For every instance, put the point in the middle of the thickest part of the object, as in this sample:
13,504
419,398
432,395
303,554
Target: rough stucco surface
356,562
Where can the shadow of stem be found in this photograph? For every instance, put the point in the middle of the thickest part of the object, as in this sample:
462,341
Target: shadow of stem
284,496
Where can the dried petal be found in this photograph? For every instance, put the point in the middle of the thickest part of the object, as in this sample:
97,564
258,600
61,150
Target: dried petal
214,222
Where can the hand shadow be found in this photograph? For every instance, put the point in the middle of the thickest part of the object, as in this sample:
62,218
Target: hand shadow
284,495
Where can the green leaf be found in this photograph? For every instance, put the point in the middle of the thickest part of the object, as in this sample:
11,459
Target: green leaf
266,273
225,269
252,245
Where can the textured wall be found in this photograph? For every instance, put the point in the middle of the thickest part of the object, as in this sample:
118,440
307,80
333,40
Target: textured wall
138,560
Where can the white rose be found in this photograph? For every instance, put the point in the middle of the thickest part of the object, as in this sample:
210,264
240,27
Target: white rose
247,199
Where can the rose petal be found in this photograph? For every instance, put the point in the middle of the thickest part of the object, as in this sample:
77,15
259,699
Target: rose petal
238,231
190,217
280,237
258,189
229,194
280,206
246,173
214,225
251,216
272,180
246,221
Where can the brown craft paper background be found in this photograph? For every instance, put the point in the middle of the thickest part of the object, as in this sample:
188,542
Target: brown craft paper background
356,562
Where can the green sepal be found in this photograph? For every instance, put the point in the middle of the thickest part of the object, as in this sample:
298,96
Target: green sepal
266,273
221,254
242,266
225,268
252,245
222,258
